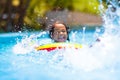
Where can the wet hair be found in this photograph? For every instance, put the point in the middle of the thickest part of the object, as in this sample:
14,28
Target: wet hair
53,26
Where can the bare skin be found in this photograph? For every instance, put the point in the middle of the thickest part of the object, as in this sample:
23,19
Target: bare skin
60,33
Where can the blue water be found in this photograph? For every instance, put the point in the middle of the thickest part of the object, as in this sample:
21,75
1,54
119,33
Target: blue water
87,63
20,61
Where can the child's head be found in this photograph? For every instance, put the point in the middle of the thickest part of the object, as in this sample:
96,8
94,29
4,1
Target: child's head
59,32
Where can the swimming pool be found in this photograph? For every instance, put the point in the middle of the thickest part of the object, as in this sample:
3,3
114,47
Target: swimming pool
97,62
19,61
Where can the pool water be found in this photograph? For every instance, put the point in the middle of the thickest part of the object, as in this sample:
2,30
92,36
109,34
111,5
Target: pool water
92,63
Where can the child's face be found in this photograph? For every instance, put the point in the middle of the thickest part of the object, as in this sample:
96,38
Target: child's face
60,33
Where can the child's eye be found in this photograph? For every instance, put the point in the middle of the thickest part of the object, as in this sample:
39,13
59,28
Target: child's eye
63,31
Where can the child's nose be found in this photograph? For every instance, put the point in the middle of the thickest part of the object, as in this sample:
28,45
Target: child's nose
61,32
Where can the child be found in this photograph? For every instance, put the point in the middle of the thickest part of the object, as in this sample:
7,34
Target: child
59,32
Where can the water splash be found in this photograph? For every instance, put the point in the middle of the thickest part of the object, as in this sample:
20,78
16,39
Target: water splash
101,61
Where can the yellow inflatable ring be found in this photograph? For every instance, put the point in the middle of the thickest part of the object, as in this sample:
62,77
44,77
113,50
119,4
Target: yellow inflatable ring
53,46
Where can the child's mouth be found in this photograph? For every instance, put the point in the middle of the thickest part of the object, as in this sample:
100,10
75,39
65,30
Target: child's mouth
61,38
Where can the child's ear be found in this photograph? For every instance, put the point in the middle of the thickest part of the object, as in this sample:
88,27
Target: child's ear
51,35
